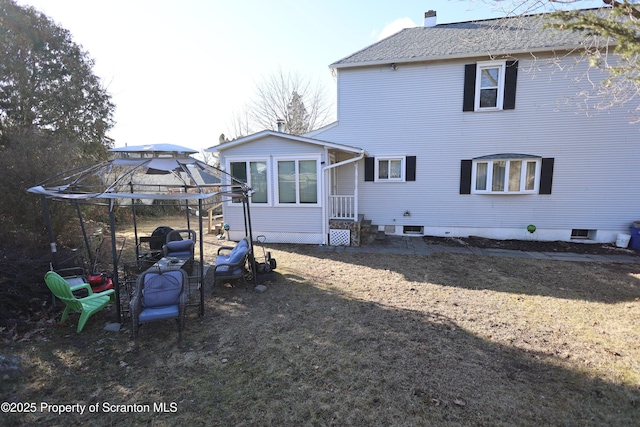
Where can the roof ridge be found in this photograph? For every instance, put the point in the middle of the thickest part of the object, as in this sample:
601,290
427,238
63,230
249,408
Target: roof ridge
528,15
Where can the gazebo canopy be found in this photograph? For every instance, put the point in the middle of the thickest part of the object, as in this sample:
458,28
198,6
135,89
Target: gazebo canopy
158,172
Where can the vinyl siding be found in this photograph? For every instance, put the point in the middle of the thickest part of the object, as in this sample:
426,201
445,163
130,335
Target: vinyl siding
417,110
275,220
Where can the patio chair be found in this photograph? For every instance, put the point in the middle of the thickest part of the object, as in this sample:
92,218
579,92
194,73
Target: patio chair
159,295
231,262
86,306
150,247
177,246
73,275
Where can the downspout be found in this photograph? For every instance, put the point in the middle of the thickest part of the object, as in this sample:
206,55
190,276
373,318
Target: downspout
325,174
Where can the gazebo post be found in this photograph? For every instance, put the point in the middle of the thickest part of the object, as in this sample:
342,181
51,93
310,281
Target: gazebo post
52,241
186,206
201,258
252,258
114,254
135,224
84,234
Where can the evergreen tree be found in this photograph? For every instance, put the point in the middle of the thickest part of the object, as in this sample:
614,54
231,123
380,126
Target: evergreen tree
297,120
54,112
47,83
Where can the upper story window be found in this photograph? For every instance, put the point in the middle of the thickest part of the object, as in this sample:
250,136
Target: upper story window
255,174
297,181
490,86
506,175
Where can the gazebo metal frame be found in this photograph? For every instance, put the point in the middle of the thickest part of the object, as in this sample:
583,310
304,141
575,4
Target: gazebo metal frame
162,172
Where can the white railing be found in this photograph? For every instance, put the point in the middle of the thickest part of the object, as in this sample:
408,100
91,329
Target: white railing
342,207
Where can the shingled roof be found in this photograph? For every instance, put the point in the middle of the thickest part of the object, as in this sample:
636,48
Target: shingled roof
490,37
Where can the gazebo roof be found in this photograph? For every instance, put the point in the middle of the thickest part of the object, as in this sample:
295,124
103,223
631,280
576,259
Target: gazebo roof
156,171
154,148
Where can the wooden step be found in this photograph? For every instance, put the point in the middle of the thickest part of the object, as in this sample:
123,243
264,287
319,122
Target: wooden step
216,229
381,236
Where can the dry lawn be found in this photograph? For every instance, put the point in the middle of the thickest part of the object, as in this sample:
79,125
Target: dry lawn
359,339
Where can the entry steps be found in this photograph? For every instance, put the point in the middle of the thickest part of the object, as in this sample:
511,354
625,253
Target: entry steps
366,228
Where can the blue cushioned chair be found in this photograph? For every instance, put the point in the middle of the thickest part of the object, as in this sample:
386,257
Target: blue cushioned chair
231,262
179,247
159,295
181,244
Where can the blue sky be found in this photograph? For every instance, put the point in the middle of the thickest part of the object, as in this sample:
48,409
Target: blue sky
178,69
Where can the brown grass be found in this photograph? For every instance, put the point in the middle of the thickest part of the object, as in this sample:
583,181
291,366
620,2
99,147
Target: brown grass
361,339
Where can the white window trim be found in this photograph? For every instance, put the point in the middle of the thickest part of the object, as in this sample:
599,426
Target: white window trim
247,161
297,159
524,160
403,168
501,65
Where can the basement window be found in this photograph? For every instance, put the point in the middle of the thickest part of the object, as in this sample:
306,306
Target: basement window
579,233
413,229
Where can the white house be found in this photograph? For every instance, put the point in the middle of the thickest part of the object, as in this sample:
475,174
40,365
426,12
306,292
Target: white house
475,128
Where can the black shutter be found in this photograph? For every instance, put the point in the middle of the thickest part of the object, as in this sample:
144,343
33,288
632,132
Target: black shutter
469,87
465,176
410,172
369,168
510,80
546,176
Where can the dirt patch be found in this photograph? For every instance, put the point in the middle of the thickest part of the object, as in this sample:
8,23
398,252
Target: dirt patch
22,291
532,245
355,338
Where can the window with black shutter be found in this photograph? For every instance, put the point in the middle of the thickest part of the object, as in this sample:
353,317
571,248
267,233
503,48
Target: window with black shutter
490,86
390,168
506,174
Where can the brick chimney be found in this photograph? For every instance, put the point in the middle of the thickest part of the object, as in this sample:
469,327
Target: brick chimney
430,18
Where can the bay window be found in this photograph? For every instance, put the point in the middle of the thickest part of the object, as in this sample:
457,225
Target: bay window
505,175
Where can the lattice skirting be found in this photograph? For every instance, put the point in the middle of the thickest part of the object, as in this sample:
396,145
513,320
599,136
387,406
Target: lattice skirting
339,237
283,237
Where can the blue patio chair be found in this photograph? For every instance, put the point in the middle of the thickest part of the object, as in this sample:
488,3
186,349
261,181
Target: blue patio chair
159,295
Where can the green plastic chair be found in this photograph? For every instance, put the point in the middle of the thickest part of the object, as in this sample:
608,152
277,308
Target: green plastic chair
85,306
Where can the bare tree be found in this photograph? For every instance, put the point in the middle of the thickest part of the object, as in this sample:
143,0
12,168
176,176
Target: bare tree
209,158
240,124
287,96
611,43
